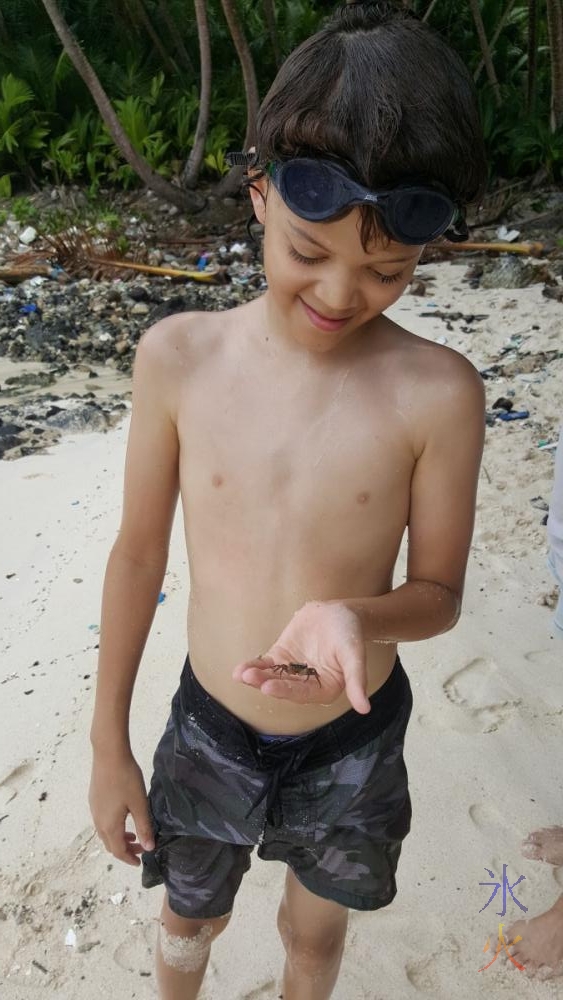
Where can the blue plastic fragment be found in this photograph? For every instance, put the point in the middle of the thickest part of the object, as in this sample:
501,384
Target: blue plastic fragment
202,262
30,308
514,415
161,597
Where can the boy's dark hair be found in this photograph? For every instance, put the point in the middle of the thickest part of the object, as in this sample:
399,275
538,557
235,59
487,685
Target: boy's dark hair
379,88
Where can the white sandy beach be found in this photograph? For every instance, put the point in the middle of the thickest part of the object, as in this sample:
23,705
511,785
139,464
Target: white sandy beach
484,748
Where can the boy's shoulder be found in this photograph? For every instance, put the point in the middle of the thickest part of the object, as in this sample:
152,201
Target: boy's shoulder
433,365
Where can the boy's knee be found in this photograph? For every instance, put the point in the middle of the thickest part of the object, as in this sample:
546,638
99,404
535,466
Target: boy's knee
310,949
185,945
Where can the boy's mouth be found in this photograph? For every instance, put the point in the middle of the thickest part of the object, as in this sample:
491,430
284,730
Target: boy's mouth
323,322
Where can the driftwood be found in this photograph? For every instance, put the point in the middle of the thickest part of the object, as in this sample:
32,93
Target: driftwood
528,249
216,277
13,275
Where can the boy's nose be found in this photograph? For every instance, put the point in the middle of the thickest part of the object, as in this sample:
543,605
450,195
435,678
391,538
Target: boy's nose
337,299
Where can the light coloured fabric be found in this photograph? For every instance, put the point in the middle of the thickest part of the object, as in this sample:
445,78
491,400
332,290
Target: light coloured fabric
555,533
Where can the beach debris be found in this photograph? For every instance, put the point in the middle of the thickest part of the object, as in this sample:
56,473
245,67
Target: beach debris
508,272
553,292
513,415
42,797
161,597
28,235
547,445
117,898
70,939
539,503
87,946
502,403
527,249
39,966
507,235
417,287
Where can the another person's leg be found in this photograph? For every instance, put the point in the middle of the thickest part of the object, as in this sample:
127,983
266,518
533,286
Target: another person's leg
541,947
313,932
183,953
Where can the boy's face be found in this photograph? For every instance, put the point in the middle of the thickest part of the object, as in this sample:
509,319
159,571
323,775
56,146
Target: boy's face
322,285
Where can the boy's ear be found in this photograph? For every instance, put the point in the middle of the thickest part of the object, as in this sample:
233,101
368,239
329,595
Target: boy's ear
257,189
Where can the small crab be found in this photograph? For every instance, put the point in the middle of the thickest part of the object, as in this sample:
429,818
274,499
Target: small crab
297,670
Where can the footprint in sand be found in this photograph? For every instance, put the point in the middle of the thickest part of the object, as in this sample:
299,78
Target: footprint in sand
431,975
483,694
14,780
136,951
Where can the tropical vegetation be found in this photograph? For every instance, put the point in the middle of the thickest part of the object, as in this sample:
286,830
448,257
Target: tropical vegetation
156,91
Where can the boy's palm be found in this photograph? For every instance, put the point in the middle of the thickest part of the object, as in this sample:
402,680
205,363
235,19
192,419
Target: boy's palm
328,638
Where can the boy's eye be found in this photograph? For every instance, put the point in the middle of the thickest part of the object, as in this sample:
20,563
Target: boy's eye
385,279
299,257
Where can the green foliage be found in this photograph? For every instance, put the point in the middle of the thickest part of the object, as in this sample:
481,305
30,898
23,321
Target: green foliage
50,128
22,131
23,210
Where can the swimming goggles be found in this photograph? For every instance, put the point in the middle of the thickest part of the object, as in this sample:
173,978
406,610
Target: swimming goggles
412,213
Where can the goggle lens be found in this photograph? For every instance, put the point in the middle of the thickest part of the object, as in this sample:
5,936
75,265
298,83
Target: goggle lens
317,190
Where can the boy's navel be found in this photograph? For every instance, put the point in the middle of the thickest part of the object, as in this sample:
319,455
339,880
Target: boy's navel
362,497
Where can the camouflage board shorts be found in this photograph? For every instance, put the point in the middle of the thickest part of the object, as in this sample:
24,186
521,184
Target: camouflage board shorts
332,803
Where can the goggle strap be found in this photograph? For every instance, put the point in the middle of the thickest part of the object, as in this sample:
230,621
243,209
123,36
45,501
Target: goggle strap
241,159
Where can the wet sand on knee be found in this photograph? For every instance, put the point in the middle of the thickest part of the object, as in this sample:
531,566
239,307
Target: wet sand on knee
484,747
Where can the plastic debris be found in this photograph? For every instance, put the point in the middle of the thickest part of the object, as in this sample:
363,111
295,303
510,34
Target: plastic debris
161,597
117,898
547,445
70,939
514,415
508,234
28,235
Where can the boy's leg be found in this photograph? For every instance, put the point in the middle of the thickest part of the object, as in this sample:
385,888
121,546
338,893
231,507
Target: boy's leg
183,952
313,931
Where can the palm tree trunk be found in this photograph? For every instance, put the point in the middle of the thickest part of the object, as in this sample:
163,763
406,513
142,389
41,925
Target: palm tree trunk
175,35
502,21
532,54
555,33
230,183
485,49
185,200
3,31
270,15
138,12
192,168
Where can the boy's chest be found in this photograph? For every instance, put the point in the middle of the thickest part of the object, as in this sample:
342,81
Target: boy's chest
326,457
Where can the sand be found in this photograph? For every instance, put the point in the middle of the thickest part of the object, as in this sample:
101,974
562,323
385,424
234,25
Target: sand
484,747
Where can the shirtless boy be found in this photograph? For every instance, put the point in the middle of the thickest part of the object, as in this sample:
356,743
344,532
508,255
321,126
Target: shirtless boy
305,432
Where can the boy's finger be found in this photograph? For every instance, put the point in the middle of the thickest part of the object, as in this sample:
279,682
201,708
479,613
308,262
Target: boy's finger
258,665
143,827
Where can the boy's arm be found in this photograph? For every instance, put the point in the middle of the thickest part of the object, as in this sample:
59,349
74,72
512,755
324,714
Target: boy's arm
441,518
132,583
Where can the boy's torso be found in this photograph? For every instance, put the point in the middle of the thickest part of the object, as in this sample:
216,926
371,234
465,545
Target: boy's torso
295,476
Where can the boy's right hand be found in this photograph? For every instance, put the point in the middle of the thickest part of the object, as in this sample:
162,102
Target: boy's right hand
117,788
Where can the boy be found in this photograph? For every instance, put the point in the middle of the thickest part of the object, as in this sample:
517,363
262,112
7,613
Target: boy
305,431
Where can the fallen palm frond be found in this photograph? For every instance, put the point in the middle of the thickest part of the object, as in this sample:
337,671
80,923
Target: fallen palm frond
79,253
82,254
